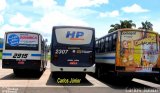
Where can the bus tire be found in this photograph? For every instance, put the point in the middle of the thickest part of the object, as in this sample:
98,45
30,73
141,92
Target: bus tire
55,75
157,79
127,79
82,76
16,72
98,73
122,80
44,67
38,72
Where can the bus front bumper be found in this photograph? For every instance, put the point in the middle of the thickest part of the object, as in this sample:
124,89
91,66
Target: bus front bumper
72,69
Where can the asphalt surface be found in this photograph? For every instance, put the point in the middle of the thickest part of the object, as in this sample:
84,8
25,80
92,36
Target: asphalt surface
30,83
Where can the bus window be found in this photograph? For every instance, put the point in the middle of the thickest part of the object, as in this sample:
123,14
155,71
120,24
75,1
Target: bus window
103,48
110,43
21,41
97,46
106,44
102,45
43,46
114,42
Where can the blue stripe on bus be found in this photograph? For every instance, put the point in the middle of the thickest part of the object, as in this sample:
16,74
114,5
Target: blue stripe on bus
35,54
7,54
1,45
113,57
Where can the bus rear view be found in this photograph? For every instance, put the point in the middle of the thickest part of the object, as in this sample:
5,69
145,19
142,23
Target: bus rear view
24,51
72,50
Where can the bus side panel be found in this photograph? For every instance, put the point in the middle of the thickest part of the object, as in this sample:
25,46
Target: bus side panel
158,60
105,61
137,52
118,63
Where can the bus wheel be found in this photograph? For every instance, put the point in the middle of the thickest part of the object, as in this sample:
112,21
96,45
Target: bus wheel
127,79
157,79
16,71
98,73
39,72
83,76
122,80
55,75
44,67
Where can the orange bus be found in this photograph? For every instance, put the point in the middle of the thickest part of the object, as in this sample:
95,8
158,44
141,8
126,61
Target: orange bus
128,53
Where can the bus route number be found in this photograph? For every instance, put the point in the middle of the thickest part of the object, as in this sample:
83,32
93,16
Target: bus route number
60,51
19,55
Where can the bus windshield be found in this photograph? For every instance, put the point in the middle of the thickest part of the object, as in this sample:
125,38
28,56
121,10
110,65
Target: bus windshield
21,41
74,36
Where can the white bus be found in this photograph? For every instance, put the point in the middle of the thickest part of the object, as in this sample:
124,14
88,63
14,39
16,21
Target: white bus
24,51
72,50
1,44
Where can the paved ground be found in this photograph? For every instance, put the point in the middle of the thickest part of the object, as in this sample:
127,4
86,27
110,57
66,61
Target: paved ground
9,83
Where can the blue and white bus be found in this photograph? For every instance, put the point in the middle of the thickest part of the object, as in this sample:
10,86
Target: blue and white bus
1,44
24,51
72,50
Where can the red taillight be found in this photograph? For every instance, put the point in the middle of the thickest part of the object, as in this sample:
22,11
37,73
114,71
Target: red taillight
73,63
7,63
55,57
21,62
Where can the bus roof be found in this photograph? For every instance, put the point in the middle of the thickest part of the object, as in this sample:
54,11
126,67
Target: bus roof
22,32
126,29
55,27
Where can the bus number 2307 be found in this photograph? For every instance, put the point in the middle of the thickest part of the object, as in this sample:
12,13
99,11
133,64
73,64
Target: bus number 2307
59,51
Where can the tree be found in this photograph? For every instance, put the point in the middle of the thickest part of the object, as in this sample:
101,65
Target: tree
147,26
127,24
123,24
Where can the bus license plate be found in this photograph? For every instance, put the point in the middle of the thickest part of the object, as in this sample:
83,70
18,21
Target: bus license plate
21,62
73,63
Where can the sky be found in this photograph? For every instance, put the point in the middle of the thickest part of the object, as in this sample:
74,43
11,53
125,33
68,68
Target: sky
41,15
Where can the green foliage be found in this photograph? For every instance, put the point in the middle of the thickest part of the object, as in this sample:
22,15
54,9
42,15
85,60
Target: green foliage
0,55
123,24
148,26
48,57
